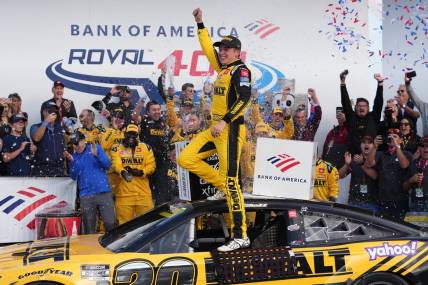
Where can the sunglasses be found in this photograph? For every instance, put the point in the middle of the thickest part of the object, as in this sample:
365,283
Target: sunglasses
404,124
401,91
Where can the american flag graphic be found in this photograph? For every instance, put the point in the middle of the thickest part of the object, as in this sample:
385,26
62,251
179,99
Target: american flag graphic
24,202
283,162
263,28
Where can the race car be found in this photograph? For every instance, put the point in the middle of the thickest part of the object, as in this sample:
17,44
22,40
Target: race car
293,242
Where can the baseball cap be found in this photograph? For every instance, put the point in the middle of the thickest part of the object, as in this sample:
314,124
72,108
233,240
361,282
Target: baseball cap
132,128
118,113
277,110
261,127
58,83
50,106
17,118
76,137
229,41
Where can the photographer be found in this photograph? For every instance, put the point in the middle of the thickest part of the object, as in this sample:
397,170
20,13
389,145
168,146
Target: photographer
304,129
65,106
88,166
134,162
48,136
124,94
421,105
361,122
391,165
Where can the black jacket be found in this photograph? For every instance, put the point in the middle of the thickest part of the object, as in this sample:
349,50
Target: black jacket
360,127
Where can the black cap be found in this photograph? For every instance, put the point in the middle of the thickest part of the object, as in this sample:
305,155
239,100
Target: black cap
229,41
50,105
118,113
58,83
76,137
17,118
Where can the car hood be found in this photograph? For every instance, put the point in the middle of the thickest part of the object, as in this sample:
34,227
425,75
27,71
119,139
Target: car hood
49,250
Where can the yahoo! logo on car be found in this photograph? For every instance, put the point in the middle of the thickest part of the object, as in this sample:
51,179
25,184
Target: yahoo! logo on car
392,250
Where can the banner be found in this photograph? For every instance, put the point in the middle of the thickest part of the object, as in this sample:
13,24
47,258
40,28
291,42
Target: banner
190,186
284,168
21,198
91,51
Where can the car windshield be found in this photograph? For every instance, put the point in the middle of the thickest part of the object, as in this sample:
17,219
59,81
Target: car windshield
121,237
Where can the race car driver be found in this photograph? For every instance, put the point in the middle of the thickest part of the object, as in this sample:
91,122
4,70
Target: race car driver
134,162
232,91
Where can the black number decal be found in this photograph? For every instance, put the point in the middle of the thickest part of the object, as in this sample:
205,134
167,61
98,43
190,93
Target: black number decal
172,271
134,272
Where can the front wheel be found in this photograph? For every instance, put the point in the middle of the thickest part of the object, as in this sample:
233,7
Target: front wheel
381,278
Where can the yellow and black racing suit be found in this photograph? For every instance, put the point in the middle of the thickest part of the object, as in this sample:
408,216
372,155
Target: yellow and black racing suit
109,138
232,92
93,134
326,181
135,197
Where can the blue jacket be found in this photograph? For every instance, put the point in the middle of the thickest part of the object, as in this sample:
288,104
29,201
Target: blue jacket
90,171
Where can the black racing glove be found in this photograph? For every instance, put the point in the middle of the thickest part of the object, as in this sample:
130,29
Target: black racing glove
134,172
126,175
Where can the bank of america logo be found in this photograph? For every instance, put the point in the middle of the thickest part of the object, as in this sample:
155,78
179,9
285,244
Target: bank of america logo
283,162
262,28
25,202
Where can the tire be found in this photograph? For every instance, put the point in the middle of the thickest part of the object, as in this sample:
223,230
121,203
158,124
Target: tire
381,278
43,283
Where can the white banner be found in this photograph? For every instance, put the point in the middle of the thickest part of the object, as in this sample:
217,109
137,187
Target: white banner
284,168
182,175
93,47
21,198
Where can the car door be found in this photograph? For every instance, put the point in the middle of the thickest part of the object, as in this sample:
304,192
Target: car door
333,246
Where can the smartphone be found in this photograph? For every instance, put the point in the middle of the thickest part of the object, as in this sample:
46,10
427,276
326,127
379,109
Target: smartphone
339,110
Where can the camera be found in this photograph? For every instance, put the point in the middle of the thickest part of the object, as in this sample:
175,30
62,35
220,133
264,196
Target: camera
345,72
411,74
98,105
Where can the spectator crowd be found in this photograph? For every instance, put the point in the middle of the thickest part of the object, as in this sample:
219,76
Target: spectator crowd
126,167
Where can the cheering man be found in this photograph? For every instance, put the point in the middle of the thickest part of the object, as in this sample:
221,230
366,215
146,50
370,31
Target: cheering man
232,92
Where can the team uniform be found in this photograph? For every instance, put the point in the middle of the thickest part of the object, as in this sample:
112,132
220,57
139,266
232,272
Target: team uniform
155,134
92,135
232,91
135,197
326,181
109,138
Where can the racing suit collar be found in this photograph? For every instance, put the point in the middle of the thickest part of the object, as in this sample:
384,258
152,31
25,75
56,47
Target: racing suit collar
236,62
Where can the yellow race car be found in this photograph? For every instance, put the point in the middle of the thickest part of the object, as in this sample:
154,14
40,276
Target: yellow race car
293,242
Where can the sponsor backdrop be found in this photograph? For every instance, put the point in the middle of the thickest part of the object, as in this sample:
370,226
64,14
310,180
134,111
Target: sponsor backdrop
21,199
284,168
92,45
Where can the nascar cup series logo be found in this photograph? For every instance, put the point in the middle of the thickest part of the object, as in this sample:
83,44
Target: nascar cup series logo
89,70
